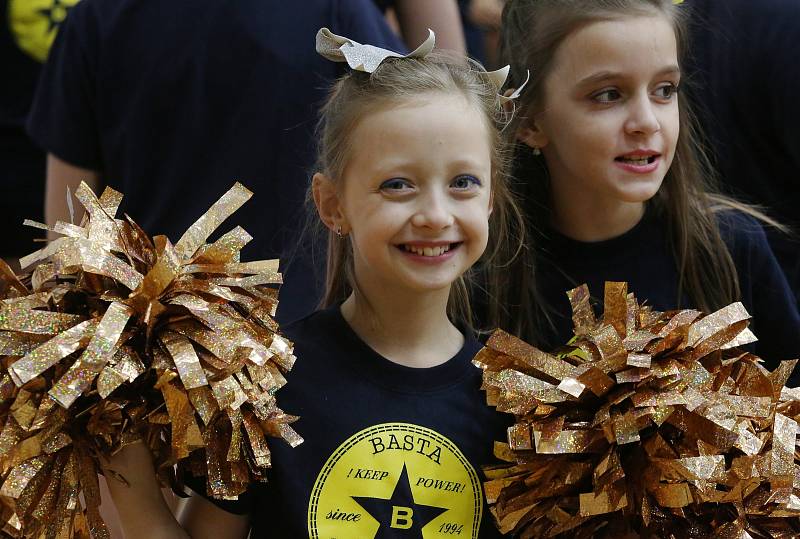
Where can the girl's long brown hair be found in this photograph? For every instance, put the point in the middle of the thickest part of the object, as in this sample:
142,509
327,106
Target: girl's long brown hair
399,81
532,30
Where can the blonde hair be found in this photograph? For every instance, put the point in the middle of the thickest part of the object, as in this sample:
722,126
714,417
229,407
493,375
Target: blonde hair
404,80
532,31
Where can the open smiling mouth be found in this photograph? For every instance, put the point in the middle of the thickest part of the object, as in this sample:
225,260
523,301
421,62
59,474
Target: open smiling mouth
434,251
640,161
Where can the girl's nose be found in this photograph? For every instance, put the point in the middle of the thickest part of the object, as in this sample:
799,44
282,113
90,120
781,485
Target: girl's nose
433,212
642,118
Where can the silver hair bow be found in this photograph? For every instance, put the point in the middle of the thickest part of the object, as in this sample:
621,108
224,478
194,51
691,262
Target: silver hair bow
367,58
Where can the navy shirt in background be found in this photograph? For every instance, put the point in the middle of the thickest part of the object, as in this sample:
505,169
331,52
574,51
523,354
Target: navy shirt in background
23,32
388,449
745,81
642,258
173,101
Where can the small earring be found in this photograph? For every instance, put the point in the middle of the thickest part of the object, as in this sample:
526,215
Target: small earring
537,151
339,230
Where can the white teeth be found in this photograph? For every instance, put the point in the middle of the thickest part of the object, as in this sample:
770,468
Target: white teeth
427,251
640,161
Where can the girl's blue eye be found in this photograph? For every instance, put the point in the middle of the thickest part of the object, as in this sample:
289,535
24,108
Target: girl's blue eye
607,96
667,91
465,182
395,184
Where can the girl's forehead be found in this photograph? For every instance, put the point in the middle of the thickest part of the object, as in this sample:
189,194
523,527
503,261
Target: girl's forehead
625,45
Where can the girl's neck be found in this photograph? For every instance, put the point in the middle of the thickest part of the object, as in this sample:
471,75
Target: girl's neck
413,330
594,219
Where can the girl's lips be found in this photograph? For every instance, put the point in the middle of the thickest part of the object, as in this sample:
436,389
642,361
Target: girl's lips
639,166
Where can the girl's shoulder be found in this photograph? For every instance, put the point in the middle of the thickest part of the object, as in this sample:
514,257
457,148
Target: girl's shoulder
742,232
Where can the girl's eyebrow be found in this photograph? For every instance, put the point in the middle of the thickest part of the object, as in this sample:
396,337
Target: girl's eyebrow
602,76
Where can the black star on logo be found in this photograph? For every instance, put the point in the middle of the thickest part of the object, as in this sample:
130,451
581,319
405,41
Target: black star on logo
399,516
55,14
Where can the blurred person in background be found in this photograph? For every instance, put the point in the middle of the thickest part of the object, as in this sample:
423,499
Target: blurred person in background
745,84
411,20
27,29
171,102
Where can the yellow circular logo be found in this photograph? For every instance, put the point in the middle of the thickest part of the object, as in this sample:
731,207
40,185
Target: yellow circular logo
34,23
396,480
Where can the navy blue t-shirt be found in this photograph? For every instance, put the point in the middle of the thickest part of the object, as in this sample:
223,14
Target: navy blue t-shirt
173,101
745,80
642,258
389,450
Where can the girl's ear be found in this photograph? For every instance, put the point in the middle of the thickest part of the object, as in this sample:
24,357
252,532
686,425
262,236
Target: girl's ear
326,198
532,135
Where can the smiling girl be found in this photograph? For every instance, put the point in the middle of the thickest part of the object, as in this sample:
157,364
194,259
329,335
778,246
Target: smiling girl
411,190
616,186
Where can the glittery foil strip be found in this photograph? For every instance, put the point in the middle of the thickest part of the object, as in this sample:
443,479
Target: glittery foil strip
110,199
221,347
248,282
186,360
235,446
37,300
7,276
53,351
204,403
197,234
20,476
34,321
639,360
211,315
257,441
784,435
124,367
529,356
744,338
599,503
269,267
625,429
160,275
185,434
567,441
18,344
226,248
93,258
290,435
101,226
228,393
582,313
616,307
713,323
99,350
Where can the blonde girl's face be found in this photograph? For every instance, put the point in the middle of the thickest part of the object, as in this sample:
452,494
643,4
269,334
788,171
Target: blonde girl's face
609,126
415,197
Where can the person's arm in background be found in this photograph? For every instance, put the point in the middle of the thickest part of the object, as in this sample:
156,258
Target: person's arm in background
144,514
441,16
60,176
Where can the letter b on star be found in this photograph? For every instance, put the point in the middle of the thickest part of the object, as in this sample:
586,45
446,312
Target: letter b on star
402,517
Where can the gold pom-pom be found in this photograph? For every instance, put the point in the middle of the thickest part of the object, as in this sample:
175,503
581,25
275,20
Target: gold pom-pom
116,337
647,424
